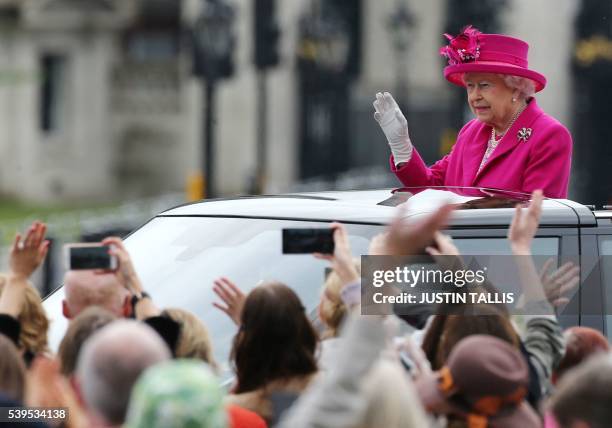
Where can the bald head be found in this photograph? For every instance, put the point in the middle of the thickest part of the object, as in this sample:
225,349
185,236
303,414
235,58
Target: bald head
84,288
111,362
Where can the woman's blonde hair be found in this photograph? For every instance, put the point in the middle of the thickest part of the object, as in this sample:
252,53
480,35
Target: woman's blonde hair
331,308
83,326
33,320
194,340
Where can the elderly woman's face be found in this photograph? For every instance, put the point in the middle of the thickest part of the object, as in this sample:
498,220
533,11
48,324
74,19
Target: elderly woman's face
490,99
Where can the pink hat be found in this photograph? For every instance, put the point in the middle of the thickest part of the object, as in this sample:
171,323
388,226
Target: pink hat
474,52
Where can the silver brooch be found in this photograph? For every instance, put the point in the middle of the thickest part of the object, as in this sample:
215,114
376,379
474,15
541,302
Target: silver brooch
524,134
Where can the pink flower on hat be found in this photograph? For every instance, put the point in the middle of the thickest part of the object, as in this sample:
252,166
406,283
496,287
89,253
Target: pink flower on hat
462,48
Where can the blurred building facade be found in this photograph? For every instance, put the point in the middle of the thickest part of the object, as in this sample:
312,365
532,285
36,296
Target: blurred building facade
55,60
98,99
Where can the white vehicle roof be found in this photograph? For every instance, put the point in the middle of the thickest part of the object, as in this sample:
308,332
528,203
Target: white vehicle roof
380,206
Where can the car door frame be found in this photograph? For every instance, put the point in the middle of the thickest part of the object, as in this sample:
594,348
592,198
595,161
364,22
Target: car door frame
593,292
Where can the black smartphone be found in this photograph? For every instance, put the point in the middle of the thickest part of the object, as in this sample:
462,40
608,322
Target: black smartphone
306,241
88,256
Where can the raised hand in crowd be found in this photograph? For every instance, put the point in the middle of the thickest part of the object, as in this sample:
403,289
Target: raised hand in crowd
560,283
410,239
27,253
525,225
125,272
342,258
444,246
232,297
378,245
126,275
521,233
445,252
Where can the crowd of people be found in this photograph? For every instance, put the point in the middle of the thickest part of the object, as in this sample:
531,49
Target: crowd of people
124,361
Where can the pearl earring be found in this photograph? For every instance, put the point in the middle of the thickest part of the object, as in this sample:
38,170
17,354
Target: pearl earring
513,100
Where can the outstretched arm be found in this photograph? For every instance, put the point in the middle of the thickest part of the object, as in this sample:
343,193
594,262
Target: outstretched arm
543,339
337,399
521,233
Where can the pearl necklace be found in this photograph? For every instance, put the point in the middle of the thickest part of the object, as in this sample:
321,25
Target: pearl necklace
492,143
514,117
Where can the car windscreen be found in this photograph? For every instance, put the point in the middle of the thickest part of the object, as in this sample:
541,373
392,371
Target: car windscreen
178,258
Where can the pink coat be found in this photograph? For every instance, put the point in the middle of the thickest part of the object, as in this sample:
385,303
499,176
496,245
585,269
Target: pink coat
541,162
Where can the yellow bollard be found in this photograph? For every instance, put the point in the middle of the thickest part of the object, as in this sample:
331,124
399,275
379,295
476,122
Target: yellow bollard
196,188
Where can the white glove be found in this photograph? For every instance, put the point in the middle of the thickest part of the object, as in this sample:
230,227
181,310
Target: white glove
394,125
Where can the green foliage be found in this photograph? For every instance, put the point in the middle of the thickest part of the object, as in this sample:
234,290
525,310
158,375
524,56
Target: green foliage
11,210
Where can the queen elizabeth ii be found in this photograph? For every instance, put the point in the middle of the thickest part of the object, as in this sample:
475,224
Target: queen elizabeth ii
511,144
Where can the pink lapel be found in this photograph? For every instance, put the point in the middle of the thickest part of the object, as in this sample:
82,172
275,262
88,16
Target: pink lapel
474,151
510,140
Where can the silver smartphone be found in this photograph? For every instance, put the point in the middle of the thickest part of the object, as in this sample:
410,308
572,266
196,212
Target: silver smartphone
89,256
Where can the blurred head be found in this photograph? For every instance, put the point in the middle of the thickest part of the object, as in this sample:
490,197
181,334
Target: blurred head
581,343
331,308
194,340
583,395
495,98
111,361
84,288
12,370
275,340
447,330
484,381
79,330
33,320
179,394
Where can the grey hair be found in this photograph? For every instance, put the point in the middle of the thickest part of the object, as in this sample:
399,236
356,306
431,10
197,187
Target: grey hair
525,86
112,360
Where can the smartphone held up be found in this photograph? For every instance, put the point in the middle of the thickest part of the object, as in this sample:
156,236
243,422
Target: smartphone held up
89,256
308,241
